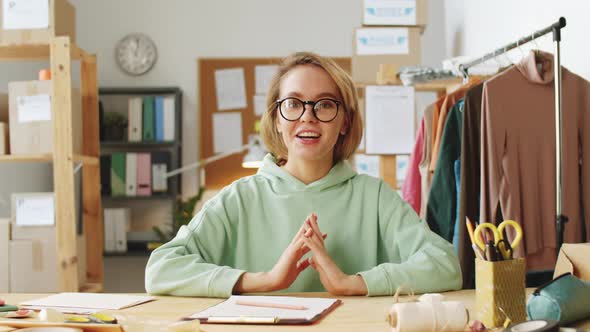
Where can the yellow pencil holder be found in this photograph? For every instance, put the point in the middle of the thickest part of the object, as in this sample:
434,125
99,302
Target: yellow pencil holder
500,286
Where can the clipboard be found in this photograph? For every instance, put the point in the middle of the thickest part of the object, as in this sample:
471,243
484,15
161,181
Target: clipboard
229,312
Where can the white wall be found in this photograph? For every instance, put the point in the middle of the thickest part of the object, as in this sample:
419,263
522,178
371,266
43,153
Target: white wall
185,30
484,25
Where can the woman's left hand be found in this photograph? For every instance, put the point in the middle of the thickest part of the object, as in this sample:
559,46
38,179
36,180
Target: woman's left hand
334,280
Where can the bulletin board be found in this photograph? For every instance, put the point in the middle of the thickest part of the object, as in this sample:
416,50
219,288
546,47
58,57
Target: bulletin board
224,171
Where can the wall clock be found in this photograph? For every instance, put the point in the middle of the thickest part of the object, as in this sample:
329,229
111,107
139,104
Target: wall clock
136,54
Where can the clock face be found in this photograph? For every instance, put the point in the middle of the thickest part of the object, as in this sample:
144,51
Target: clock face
136,54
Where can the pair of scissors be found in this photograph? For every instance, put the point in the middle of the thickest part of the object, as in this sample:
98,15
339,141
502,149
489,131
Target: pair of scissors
504,246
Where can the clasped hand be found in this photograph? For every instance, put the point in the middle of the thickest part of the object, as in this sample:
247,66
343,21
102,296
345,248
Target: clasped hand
310,238
291,264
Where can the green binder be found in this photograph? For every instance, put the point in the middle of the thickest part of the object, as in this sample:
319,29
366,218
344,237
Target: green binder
118,174
149,118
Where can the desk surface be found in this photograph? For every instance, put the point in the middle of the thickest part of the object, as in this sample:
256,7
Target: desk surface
355,314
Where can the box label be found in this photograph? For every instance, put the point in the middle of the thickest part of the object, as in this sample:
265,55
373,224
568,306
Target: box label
378,41
393,12
35,210
33,108
25,14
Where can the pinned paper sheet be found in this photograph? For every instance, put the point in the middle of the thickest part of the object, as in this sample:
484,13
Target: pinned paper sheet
366,164
230,88
389,117
376,41
25,14
33,108
35,210
259,105
263,76
227,131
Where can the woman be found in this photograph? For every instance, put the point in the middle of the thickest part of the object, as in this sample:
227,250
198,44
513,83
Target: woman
305,208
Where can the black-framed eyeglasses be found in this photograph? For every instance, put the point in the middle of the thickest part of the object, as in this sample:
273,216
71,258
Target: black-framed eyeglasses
324,109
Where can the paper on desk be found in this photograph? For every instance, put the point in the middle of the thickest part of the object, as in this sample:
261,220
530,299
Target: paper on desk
227,131
264,75
229,308
230,87
389,117
84,303
25,14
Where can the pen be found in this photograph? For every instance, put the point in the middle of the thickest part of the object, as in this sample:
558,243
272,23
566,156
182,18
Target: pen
242,319
491,252
270,305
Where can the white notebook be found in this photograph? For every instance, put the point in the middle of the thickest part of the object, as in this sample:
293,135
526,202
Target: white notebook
86,303
230,312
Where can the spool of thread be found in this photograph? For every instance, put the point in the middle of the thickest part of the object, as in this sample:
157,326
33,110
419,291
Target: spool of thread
431,313
51,316
44,75
539,325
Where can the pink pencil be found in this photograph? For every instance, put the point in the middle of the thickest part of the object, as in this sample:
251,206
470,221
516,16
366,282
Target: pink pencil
270,305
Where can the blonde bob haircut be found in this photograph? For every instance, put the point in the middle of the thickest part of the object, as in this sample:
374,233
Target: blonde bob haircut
347,143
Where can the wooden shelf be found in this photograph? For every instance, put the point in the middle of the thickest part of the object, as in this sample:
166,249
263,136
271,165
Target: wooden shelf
138,198
45,158
125,144
35,52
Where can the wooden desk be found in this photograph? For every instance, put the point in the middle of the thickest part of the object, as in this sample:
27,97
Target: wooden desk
355,314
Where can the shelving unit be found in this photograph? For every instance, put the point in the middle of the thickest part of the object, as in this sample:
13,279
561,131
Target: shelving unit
139,247
60,52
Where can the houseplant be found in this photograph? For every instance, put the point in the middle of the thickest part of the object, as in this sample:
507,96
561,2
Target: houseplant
183,214
114,126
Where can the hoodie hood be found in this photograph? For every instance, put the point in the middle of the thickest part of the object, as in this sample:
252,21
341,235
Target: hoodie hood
284,181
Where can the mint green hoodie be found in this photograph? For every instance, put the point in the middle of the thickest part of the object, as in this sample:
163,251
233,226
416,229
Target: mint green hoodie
248,225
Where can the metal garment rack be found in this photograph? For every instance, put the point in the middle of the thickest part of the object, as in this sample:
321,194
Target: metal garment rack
555,29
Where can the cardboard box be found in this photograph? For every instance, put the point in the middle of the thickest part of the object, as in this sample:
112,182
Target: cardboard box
4,256
30,115
394,12
37,25
34,262
373,47
574,258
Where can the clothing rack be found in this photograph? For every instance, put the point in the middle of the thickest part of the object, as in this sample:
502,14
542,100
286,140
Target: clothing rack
555,29
413,75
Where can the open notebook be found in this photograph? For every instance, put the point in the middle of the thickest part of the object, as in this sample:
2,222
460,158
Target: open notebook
230,312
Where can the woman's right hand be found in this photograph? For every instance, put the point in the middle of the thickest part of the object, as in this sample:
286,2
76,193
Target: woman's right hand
284,272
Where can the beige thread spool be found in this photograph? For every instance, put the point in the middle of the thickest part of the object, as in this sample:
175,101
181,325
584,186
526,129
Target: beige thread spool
430,313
